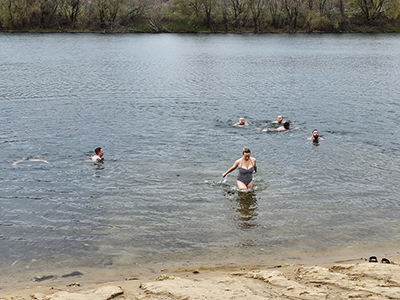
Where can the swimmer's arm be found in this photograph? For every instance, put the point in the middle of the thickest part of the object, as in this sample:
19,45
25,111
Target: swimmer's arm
32,159
255,165
235,165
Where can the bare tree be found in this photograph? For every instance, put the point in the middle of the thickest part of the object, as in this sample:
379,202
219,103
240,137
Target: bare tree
239,12
372,9
208,8
155,16
291,8
274,11
191,10
134,12
257,8
71,9
107,12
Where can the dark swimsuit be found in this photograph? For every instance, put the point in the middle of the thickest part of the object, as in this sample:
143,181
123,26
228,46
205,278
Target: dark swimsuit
246,175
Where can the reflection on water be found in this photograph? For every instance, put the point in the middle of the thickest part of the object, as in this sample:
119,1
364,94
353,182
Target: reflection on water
315,142
247,210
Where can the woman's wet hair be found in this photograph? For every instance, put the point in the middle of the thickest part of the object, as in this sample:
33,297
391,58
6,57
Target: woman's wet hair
246,150
286,125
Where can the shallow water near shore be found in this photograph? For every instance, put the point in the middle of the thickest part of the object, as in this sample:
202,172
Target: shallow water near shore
162,107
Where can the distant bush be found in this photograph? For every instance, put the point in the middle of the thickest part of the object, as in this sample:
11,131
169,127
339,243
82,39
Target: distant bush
257,16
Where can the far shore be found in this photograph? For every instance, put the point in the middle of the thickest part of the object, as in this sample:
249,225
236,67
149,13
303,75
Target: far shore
361,30
323,275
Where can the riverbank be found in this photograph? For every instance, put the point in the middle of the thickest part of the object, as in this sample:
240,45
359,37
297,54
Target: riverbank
354,29
316,277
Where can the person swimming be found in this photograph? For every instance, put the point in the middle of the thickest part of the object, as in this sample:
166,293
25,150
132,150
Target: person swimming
315,136
247,167
279,120
285,126
241,123
98,157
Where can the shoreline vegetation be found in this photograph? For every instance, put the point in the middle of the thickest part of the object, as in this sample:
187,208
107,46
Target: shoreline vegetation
200,16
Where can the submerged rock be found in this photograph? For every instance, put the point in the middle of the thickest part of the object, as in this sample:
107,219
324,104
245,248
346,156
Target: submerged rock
42,278
75,273
131,278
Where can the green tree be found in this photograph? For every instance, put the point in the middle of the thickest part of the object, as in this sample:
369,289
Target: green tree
15,14
292,8
190,11
45,12
108,11
155,17
239,13
257,9
208,7
274,12
70,10
134,13
370,10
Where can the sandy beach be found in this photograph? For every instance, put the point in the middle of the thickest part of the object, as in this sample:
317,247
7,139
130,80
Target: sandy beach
348,278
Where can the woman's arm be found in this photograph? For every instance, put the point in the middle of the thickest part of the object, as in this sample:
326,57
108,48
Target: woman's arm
255,165
235,165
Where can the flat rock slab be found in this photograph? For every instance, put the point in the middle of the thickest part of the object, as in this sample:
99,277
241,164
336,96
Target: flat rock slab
103,293
341,281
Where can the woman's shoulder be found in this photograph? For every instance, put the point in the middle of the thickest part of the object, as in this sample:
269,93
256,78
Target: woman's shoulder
238,161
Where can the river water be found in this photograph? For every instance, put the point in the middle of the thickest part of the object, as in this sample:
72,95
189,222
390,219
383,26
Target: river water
162,107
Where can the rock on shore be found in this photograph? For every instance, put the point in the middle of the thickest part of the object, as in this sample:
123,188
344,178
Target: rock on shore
361,280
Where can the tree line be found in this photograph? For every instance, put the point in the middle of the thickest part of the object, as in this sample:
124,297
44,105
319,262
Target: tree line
258,16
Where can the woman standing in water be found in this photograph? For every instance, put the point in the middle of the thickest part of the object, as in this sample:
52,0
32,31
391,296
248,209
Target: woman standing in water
247,167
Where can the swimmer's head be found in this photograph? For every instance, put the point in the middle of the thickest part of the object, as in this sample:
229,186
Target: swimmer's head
99,151
279,119
246,150
315,133
286,125
246,153
241,121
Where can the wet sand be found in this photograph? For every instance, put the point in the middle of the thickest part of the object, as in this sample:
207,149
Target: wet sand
318,277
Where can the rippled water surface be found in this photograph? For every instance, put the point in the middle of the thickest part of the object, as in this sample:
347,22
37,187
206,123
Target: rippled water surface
162,108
